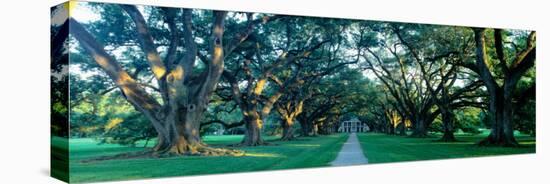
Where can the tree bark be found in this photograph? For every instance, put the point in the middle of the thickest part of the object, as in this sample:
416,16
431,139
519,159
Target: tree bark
420,130
305,127
448,128
500,117
253,124
288,131
289,110
422,122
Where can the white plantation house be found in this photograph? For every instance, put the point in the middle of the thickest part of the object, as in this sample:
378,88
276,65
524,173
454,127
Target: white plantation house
353,125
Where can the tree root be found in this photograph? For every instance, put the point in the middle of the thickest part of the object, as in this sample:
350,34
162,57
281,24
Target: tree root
210,151
200,150
129,155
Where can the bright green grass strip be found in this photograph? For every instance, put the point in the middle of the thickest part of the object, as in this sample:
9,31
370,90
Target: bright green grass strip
381,148
59,158
300,153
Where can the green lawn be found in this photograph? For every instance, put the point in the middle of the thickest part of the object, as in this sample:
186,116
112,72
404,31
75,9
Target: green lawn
381,148
59,158
301,153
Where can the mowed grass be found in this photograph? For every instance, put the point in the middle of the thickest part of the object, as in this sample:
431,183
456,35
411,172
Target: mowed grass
382,148
59,158
300,153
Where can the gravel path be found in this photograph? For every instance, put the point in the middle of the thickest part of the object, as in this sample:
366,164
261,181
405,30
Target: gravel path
351,153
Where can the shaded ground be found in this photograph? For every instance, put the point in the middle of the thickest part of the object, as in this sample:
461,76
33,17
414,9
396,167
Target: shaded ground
300,153
351,153
383,148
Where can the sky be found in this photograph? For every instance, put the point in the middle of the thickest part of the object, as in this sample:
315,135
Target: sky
83,13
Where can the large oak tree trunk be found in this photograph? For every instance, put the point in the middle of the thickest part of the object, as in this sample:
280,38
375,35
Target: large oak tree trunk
309,128
390,121
304,127
507,118
251,116
448,129
500,116
289,111
182,134
253,136
420,130
288,131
